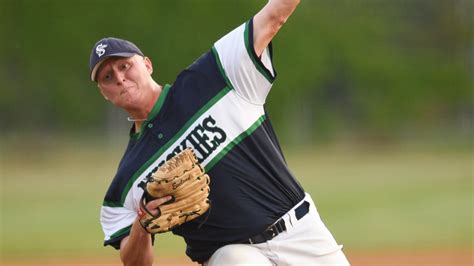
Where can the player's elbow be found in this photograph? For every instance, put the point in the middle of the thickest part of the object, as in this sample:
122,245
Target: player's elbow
132,255
276,23
136,260
281,14
296,2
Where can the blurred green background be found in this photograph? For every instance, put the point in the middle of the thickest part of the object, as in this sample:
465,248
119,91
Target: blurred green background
376,96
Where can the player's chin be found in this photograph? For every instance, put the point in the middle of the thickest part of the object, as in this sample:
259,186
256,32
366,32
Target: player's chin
132,105
123,103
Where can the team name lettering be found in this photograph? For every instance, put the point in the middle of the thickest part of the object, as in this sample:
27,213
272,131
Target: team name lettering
204,138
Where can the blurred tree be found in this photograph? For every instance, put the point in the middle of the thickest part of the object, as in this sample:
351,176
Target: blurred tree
372,67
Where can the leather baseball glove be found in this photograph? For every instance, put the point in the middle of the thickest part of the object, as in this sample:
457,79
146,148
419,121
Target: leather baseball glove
184,179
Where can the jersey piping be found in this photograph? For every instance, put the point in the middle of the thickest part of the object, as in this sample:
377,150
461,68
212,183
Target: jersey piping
248,38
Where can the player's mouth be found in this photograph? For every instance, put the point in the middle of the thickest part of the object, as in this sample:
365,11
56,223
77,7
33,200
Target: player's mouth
125,90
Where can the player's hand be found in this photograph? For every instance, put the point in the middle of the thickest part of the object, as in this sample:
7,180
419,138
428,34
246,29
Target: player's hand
153,205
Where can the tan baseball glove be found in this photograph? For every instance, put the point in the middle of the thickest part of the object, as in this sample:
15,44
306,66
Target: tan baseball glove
185,180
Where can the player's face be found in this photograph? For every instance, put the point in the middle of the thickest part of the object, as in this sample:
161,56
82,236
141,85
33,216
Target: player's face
125,81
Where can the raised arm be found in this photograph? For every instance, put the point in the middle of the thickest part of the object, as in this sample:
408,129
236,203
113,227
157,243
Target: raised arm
268,21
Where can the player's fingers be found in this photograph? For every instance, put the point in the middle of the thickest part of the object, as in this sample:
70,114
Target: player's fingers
152,206
157,202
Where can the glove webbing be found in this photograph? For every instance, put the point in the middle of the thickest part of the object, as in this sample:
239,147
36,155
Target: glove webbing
146,197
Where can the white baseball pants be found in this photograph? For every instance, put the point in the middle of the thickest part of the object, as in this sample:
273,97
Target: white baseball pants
305,242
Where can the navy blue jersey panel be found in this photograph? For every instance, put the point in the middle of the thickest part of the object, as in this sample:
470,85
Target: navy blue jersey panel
251,187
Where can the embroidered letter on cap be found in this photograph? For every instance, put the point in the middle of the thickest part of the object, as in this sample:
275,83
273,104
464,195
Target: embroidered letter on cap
100,49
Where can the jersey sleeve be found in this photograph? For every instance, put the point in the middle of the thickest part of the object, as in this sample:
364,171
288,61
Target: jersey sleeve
246,73
116,224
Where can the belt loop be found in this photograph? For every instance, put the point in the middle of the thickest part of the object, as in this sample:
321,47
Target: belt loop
285,223
292,218
302,210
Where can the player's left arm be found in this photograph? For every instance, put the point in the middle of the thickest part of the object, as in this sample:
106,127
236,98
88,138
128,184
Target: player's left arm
269,20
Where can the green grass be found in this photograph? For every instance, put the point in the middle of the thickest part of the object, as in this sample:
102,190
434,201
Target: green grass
392,199
398,197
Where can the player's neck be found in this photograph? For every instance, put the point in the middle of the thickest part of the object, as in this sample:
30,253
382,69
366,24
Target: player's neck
138,126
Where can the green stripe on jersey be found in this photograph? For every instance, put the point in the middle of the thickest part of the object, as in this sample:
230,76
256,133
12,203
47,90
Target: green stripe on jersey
235,142
221,69
172,141
154,112
251,52
121,232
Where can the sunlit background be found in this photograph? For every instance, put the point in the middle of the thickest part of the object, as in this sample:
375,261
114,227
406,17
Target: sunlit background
373,105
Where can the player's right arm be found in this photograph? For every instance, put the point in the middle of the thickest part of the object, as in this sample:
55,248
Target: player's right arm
269,20
244,55
137,248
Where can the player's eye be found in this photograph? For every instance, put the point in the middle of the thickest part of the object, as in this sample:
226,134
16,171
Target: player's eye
107,77
125,66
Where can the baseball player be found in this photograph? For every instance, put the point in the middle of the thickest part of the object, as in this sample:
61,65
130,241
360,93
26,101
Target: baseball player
260,214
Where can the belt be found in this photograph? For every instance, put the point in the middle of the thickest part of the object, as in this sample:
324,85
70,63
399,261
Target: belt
277,227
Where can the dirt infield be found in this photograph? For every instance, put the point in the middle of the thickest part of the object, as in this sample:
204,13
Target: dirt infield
440,257
434,257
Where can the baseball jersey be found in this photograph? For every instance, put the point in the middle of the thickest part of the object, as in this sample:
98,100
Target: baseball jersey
216,107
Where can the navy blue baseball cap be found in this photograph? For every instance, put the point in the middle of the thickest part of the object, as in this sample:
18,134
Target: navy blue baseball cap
108,47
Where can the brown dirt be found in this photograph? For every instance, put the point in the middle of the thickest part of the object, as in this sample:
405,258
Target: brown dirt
433,257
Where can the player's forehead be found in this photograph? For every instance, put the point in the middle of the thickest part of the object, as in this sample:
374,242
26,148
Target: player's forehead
109,62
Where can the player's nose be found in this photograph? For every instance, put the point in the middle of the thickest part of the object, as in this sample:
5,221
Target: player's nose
119,77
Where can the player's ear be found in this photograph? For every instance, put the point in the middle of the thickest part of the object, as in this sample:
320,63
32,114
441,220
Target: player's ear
148,64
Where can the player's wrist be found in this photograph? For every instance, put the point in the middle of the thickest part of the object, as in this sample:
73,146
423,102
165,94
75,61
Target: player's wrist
138,221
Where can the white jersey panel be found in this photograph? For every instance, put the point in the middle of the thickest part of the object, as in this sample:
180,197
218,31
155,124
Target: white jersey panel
115,219
239,67
267,61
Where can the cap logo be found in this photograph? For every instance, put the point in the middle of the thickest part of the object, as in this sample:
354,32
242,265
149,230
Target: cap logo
100,49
